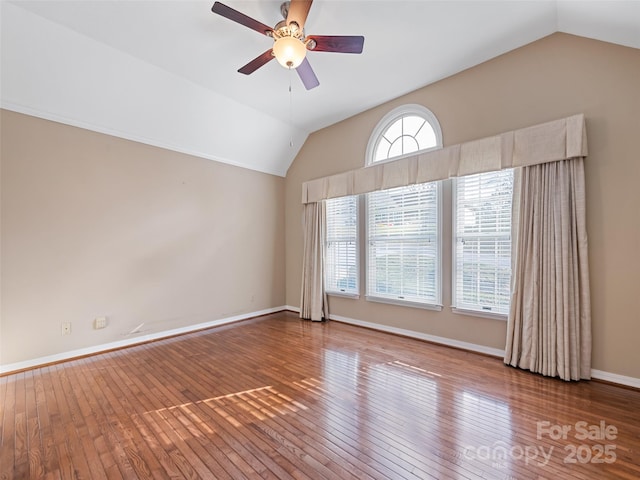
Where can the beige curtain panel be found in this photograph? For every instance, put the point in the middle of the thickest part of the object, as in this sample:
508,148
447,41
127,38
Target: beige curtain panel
549,327
313,299
548,142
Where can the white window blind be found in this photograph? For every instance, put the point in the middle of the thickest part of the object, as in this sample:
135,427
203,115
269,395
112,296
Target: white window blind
482,242
403,244
341,256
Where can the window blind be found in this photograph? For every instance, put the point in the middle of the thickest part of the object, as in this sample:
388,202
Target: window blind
482,242
341,256
403,244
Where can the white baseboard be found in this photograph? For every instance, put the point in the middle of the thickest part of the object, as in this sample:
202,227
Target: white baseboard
59,357
615,378
422,336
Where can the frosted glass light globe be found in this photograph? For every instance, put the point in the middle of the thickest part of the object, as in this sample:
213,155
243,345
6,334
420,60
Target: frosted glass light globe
289,51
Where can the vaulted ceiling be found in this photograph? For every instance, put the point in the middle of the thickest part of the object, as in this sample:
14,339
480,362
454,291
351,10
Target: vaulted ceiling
165,72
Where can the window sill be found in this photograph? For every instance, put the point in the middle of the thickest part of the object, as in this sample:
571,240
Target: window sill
477,313
404,303
355,296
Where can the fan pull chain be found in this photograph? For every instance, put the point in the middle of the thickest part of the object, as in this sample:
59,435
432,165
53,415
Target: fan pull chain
290,110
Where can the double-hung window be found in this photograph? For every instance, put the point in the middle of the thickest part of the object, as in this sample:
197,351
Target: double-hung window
341,253
482,242
403,251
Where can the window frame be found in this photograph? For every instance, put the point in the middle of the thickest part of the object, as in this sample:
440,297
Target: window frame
458,307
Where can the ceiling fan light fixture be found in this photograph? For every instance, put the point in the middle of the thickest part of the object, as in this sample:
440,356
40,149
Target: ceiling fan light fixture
290,44
289,51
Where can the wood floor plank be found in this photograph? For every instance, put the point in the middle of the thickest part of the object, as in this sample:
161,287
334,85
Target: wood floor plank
71,427
109,446
101,459
7,419
10,449
47,412
280,398
33,440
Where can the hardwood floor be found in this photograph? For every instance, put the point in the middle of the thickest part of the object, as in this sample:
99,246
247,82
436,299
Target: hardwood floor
279,398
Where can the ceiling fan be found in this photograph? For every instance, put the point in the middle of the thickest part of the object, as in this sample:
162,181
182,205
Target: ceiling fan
290,44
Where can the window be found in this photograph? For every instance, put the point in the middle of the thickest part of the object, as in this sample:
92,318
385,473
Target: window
341,255
403,225
482,242
403,252
404,131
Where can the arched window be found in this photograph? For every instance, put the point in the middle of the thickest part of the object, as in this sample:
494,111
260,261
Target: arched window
404,131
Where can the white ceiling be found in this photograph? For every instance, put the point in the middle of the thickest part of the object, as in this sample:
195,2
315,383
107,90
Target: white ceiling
164,72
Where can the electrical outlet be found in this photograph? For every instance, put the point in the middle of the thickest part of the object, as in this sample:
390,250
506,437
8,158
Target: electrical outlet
66,328
99,322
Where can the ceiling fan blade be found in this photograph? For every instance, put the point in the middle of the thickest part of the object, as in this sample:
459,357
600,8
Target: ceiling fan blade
241,18
337,43
298,11
257,62
307,75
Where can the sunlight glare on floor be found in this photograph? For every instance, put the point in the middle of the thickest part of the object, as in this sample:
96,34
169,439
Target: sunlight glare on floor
237,408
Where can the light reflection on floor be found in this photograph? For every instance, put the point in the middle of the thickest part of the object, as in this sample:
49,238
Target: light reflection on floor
237,408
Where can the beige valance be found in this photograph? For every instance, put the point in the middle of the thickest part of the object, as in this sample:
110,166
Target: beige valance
547,142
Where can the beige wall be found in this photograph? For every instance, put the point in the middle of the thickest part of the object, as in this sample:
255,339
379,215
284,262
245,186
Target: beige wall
552,78
95,225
